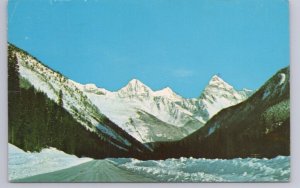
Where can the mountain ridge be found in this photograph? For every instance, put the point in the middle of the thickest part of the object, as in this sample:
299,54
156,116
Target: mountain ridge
165,91
89,104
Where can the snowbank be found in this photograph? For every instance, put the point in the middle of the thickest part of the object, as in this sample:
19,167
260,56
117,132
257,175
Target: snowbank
210,170
23,164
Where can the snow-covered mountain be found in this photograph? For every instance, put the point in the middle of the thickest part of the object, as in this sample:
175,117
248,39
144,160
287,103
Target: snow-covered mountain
146,115
259,126
218,95
162,115
74,100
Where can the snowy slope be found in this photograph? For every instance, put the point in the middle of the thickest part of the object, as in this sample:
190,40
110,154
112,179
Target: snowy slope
74,99
23,164
51,83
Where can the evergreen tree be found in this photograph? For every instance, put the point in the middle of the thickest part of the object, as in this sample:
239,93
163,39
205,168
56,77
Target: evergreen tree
13,95
60,99
13,73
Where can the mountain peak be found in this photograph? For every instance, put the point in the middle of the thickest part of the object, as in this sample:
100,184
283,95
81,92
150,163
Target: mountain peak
216,81
134,88
217,87
218,94
135,82
169,93
167,90
216,77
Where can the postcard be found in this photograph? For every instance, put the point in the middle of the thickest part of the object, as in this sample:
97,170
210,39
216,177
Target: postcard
148,91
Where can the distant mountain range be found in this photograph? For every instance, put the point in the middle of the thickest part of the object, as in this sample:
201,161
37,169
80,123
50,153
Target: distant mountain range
145,114
136,116
162,115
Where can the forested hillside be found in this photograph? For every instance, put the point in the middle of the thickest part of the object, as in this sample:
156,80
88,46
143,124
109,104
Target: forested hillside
36,122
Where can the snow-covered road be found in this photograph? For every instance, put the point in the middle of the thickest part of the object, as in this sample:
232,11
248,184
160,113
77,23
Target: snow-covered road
93,171
52,165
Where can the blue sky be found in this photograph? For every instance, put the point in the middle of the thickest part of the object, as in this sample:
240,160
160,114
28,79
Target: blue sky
175,43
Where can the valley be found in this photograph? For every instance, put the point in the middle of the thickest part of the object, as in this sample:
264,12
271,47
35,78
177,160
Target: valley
136,121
